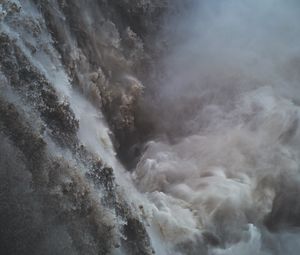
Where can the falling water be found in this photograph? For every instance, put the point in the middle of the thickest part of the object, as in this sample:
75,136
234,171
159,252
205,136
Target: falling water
149,127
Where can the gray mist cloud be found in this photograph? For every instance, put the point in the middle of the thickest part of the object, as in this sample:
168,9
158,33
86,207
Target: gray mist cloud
229,101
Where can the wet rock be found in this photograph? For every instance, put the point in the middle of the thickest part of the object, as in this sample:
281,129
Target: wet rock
34,88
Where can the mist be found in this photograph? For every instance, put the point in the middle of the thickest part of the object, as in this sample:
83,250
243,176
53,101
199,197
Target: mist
149,127
223,167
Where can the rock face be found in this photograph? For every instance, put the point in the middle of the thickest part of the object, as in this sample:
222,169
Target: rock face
106,48
62,63
85,86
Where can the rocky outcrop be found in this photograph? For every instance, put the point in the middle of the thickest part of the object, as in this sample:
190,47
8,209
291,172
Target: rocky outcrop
104,46
58,195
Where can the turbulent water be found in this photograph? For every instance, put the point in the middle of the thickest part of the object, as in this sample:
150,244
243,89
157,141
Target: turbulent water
150,127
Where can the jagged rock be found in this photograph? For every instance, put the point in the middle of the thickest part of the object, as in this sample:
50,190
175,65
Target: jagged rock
72,202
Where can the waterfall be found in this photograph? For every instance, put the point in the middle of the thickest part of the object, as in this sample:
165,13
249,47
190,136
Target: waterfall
149,127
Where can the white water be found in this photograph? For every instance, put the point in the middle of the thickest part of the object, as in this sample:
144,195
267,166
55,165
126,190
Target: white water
237,67
232,86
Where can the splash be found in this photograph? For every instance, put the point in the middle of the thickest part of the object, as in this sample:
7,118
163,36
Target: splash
217,83
227,170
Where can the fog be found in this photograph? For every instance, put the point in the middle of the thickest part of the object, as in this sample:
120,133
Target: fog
219,174
223,168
